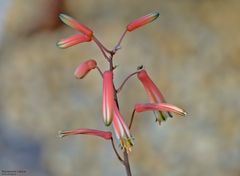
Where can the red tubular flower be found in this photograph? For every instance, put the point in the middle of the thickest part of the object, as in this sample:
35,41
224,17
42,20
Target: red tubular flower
121,130
76,25
83,69
154,94
72,40
102,134
141,107
142,21
108,97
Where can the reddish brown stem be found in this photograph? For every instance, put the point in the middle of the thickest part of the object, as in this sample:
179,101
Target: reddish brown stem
99,70
125,154
100,46
131,121
126,163
97,41
125,80
116,152
117,47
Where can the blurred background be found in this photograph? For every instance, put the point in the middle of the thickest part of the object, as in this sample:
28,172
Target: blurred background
191,52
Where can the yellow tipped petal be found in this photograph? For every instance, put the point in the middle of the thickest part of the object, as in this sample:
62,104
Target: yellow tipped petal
72,40
142,21
76,25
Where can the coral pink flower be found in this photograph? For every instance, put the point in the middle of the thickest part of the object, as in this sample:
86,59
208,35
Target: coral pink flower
154,94
76,25
122,131
140,107
142,21
72,40
108,97
102,134
83,69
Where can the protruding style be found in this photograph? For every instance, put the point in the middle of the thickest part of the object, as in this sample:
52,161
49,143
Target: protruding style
108,97
142,21
83,69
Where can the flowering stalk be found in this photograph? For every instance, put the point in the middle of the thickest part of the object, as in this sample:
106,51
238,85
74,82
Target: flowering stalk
110,106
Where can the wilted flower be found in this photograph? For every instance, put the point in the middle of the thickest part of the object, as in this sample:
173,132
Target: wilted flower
154,94
142,21
83,69
121,130
102,134
108,97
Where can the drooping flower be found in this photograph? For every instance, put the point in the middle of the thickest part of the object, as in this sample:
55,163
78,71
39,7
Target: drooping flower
154,94
83,69
122,131
108,97
142,21
103,134
72,40
141,107
76,25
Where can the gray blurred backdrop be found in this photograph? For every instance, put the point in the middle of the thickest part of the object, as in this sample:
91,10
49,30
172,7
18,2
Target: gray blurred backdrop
192,53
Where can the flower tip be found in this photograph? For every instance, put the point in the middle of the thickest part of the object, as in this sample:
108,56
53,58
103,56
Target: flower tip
60,45
155,15
61,15
60,134
64,18
107,123
184,113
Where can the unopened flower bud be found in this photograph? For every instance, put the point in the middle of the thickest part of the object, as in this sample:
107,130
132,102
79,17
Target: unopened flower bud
72,40
108,97
142,21
76,25
83,69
